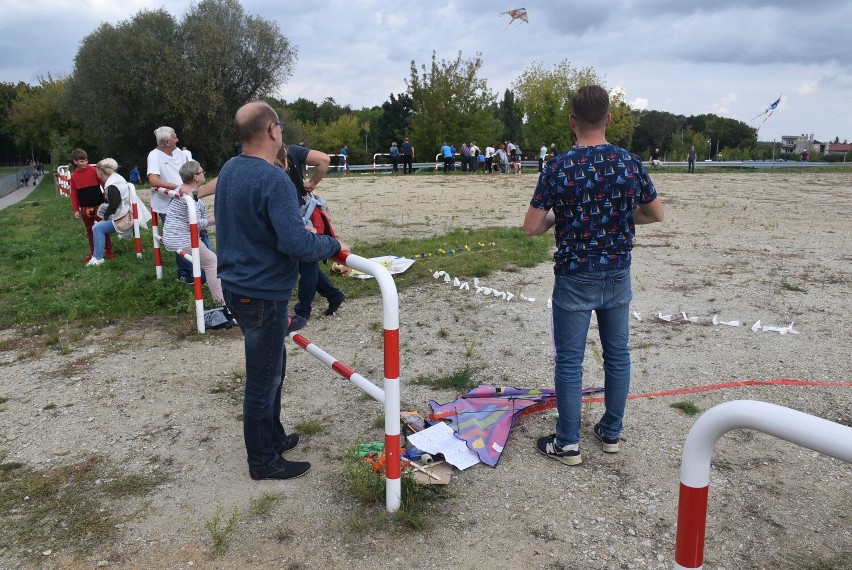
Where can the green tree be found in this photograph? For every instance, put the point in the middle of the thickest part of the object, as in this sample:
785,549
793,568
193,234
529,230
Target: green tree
36,115
150,71
8,149
451,103
654,129
303,110
545,97
512,117
394,122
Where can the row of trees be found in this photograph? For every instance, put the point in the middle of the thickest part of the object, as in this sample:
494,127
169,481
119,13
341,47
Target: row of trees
193,74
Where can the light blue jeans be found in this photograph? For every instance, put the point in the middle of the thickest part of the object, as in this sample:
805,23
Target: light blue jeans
608,294
99,233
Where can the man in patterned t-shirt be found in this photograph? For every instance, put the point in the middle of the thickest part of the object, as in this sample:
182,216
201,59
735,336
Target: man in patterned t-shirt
594,195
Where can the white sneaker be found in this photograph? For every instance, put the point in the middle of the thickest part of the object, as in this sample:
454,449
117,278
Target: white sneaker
94,261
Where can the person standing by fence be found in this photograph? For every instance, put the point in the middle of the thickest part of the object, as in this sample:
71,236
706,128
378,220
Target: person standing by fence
407,157
595,189
261,238
86,197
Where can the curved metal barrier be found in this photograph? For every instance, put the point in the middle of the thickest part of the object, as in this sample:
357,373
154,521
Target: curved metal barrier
796,427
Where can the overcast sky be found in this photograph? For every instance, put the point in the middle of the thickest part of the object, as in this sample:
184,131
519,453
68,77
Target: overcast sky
731,58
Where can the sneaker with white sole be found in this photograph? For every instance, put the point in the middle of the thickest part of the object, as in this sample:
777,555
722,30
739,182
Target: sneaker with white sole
610,444
569,455
94,262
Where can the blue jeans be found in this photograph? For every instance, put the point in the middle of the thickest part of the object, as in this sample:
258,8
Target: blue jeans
99,233
313,280
608,294
264,326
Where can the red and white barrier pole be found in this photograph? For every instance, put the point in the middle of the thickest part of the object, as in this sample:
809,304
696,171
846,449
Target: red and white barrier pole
796,427
390,396
155,235
137,238
194,256
63,181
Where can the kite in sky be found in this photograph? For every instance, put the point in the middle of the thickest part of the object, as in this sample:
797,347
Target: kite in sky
484,416
768,111
516,14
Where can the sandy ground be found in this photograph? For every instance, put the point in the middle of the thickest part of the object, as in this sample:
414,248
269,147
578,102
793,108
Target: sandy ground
748,247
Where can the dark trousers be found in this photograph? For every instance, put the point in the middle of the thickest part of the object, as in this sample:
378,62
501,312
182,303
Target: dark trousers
407,164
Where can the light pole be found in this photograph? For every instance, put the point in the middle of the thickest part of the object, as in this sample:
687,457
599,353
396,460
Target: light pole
709,148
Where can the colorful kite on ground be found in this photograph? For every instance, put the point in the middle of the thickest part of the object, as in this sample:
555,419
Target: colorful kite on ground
516,14
484,416
770,109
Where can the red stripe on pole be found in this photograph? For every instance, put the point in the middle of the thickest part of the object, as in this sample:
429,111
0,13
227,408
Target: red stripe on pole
301,341
138,239
392,354
342,369
691,526
393,469
341,257
193,235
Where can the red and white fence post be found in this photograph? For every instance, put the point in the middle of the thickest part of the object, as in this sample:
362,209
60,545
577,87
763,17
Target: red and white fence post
194,256
390,396
796,427
63,181
137,237
382,164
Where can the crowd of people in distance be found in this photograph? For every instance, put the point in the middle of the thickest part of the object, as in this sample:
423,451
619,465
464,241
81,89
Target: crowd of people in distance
32,171
506,157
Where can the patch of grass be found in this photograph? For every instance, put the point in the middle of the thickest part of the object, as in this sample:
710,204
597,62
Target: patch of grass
687,408
263,504
309,427
787,286
469,348
50,406
459,381
419,502
3,400
511,250
67,507
220,533
284,534
44,282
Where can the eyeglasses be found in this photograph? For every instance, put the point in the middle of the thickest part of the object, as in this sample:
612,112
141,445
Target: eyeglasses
279,124
200,172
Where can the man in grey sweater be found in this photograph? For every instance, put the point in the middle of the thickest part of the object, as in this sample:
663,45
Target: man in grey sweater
261,239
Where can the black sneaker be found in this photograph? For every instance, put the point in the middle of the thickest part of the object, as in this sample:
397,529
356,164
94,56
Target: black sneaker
569,455
290,442
280,469
610,444
185,280
334,305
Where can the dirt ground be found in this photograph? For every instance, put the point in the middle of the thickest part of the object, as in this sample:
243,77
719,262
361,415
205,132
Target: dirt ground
768,247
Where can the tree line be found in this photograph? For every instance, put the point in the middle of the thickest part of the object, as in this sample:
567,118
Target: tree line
193,74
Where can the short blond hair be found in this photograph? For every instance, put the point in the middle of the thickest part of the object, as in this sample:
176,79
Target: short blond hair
108,166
